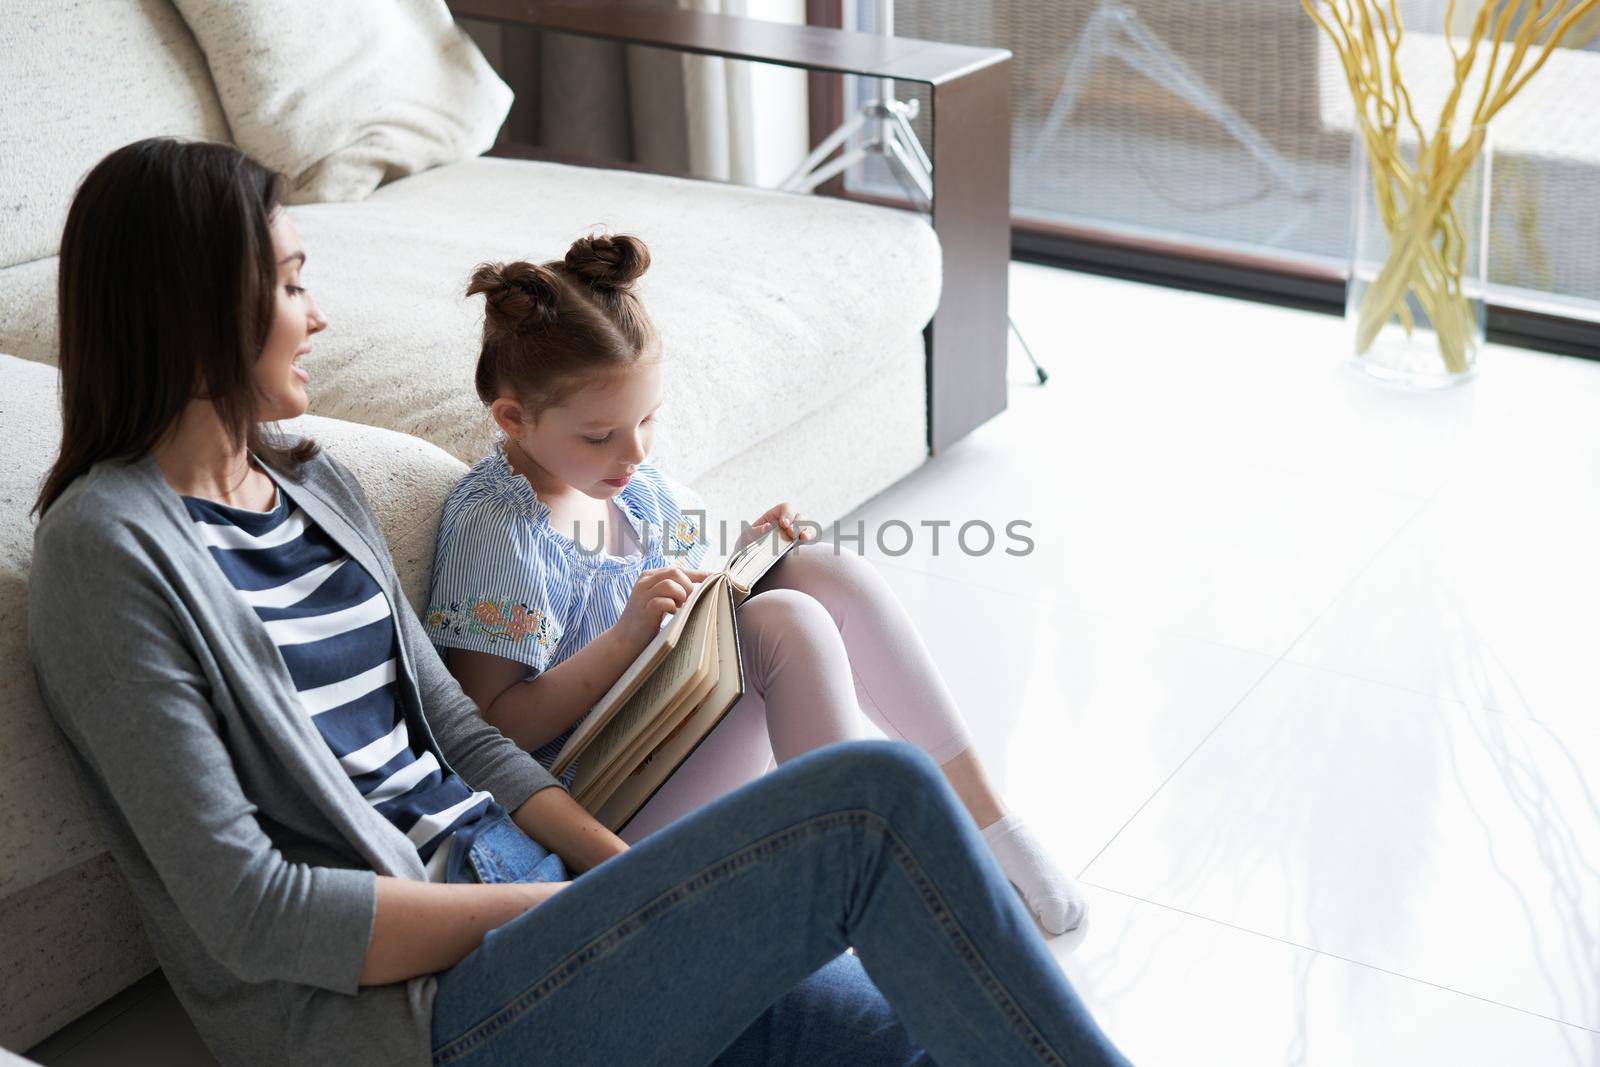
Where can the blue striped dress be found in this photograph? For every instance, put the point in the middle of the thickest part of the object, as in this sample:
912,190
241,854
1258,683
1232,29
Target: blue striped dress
508,583
331,624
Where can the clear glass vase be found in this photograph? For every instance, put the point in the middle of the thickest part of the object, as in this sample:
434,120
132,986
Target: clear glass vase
1415,302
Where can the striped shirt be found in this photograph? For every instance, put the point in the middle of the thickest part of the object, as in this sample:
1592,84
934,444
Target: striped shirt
332,625
508,583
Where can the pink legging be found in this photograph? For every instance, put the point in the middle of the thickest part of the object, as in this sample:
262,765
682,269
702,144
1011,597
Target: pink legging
822,639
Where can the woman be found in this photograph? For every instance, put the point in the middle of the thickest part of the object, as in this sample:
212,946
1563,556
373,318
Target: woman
336,859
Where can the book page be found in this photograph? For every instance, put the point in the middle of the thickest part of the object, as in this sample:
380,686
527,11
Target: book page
598,716
639,751
632,681
671,751
646,742
754,560
668,680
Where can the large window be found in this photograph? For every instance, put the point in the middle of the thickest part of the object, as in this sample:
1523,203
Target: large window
1215,125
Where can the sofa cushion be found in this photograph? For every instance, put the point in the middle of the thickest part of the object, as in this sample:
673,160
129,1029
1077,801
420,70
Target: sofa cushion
30,413
137,66
392,87
770,305
28,326
49,842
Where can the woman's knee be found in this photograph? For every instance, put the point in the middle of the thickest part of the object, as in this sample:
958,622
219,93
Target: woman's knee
889,768
836,1015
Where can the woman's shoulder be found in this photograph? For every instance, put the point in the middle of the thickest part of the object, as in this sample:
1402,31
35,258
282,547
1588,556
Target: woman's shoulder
110,522
106,499
323,474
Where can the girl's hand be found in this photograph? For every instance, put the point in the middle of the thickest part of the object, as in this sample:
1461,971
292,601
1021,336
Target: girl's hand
658,592
784,517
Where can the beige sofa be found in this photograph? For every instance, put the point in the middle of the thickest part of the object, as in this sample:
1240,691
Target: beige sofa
793,326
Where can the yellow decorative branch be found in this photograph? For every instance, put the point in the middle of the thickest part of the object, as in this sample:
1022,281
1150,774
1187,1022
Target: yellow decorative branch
1416,201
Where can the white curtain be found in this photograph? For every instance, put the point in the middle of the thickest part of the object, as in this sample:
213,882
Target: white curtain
665,110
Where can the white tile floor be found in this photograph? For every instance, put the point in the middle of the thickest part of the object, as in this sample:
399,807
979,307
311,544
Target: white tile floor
1300,677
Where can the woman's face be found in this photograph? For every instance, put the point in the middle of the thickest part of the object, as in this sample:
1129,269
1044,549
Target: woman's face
280,379
596,440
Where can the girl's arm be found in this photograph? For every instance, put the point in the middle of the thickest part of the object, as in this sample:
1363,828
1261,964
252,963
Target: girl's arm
428,927
532,711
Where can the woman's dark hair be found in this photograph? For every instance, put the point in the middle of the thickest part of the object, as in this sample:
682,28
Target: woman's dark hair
166,292
549,328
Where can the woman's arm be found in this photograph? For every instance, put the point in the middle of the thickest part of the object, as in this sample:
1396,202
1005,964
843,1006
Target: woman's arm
551,817
559,823
125,688
428,927
531,711
485,757
127,691
425,927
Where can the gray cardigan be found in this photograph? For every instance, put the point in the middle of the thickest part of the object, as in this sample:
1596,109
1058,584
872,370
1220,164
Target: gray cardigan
251,854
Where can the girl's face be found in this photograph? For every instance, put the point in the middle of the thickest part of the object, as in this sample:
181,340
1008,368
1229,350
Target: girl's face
596,440
280,380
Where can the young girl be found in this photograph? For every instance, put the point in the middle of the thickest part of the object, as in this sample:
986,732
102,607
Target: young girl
560,553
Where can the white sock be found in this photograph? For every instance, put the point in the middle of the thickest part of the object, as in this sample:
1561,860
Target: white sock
1049,892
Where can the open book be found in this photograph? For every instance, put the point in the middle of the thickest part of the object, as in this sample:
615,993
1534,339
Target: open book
670,697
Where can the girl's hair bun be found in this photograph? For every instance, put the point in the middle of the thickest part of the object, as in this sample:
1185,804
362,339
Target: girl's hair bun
519,295
550,328
608,261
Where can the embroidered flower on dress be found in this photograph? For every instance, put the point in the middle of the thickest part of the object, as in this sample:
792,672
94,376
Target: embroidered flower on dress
494,618
684,534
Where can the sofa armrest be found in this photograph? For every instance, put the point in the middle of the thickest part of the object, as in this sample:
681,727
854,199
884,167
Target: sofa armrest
970,98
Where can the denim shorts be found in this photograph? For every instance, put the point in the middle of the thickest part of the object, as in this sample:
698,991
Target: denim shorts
501,852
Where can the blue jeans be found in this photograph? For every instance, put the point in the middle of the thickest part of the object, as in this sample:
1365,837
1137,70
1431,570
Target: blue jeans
719,938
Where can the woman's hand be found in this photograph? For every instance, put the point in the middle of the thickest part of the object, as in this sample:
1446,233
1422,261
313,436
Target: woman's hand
427,927
658,592
559,823
535,893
